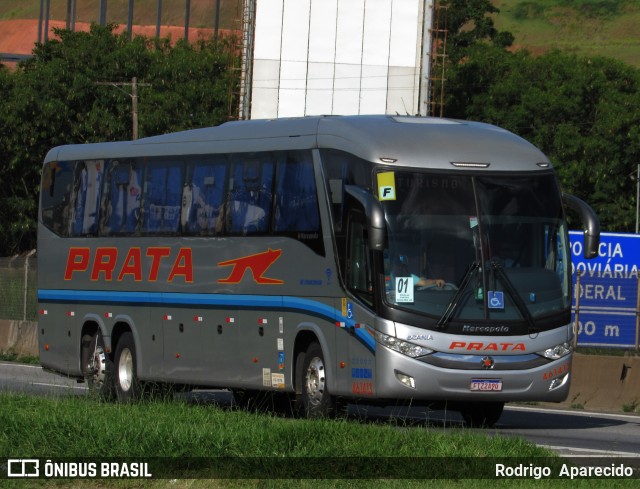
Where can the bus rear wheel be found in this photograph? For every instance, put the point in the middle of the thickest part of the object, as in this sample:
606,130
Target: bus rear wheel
127,384
315,399
97,367
482,414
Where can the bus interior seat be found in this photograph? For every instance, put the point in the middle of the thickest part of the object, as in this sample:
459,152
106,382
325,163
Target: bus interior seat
125,199
202,199
250,199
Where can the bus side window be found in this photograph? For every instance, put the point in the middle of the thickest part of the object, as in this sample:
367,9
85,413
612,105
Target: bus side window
121,199
203,195
296,201
57,205
86,197
249,203
162,197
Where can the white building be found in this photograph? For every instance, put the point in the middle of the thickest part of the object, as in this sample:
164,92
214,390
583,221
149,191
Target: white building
312,57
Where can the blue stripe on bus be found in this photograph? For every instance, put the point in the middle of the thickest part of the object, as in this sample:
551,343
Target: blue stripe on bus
367,338
216,300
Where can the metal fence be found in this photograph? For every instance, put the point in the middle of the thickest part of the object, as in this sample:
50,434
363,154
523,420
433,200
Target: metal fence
18,287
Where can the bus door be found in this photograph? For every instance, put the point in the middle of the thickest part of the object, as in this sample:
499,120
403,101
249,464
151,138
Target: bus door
359,307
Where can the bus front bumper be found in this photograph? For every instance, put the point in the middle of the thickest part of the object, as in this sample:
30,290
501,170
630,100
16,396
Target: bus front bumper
401,377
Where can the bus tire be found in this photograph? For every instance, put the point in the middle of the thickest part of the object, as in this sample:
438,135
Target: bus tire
97,367
315,399
127,385
482,414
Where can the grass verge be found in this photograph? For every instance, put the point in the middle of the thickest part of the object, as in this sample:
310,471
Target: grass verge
263,448
13,356
81,427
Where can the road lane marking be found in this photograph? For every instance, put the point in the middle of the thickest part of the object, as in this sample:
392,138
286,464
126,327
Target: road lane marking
595,453
12,364
574,413
45,384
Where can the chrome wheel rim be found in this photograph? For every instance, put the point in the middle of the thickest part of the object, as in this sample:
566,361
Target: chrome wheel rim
315,381
125,370
97,368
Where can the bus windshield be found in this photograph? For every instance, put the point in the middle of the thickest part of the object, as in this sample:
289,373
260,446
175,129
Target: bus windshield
469,247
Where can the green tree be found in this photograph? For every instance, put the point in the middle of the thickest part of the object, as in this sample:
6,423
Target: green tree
54,98
192,85
13,208
469,22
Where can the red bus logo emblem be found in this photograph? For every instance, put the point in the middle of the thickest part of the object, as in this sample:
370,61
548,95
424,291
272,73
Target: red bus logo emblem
258,264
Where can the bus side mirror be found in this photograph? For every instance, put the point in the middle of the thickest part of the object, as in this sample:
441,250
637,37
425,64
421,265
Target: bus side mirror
375,216
590,222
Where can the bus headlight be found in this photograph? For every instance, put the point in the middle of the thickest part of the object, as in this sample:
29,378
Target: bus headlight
410,349
557,351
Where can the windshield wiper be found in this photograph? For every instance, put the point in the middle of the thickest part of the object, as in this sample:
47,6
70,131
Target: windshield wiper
513,293
455,301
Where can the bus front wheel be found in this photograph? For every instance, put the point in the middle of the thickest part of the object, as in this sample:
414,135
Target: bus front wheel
315,399
97,367
128,387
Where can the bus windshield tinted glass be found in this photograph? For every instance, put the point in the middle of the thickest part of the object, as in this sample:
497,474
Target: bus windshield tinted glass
464,247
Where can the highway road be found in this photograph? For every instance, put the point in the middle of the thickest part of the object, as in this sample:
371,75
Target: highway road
570,433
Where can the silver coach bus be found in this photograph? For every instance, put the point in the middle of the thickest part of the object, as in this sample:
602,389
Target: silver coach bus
376,259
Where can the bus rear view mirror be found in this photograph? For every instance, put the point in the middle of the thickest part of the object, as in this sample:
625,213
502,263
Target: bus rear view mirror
590,222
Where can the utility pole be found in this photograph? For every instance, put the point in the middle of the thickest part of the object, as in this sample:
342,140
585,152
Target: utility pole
158,18
134,107
187,17
130,20
46,20
102,14
134,100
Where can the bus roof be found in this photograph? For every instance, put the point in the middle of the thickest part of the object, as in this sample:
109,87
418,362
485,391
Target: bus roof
410,141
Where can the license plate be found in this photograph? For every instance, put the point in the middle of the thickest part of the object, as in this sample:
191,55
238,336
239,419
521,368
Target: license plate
494,385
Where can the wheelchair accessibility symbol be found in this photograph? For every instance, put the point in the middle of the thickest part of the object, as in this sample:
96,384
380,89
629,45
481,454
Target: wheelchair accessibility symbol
349,310
496,300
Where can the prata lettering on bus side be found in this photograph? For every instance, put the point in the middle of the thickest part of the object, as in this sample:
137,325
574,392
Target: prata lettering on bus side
101,263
